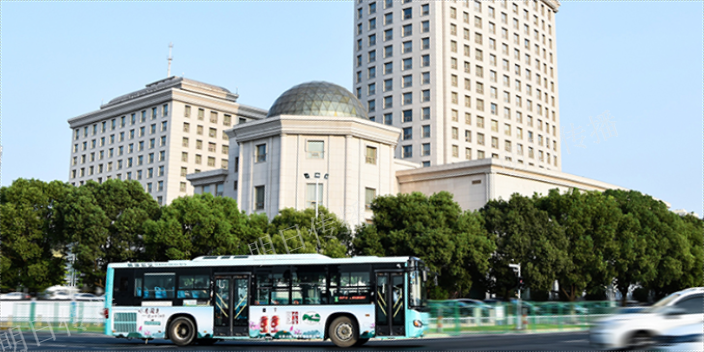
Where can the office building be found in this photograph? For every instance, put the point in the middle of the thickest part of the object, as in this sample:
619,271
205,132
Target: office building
157,135
464,80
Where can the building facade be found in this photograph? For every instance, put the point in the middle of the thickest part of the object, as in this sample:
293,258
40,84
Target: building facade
316,147
157,136
464,80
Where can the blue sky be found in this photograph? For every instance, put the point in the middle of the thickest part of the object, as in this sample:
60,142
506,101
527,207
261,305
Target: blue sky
637,65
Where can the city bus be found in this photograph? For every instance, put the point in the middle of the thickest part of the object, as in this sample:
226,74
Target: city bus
292,296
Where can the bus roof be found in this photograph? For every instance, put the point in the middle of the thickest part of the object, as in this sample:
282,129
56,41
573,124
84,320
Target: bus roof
261,260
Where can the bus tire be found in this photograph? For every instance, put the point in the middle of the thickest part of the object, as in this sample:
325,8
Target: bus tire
182,331
361,342
343,332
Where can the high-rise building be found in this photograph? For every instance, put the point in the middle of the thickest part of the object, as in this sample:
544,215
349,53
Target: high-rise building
157,136
464,80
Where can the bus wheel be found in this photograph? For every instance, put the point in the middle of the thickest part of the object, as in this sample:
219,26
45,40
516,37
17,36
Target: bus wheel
361,342
343,332
182,331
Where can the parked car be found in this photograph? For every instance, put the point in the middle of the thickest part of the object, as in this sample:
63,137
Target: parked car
563,308
58,296
637,330
467,306
681,338
87,297
14,296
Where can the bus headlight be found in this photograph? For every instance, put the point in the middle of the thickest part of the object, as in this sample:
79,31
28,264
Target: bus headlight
418,323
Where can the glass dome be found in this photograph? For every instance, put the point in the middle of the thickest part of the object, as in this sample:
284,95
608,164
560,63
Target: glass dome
318,99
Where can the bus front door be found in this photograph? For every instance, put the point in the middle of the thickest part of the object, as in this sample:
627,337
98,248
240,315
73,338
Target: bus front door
390,304
231,305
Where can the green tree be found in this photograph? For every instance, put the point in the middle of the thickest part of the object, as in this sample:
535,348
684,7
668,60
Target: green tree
198,225
452,243
644,239
693,260
106,223
299,231
590,221
32,234
525,235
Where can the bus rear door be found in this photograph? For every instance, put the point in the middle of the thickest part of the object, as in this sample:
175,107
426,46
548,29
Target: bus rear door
390,306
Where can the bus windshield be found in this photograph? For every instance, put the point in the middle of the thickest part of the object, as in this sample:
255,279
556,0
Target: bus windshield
418,296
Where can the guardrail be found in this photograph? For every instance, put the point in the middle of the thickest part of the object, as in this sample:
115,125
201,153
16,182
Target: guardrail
455,318
75,313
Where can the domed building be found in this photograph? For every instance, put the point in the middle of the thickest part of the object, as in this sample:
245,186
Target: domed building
316,146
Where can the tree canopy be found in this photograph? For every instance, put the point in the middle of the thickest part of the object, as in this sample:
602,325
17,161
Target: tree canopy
585,241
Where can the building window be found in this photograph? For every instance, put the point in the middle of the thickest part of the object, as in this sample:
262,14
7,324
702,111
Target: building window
370,155
407,115
426,114
407,151
455,151
371,106
425,96
315,149
407,30
388,119
407,133
425,149
259,197
407,98
314,191
388,102
260,153
388,34
426,131
184,157
369,195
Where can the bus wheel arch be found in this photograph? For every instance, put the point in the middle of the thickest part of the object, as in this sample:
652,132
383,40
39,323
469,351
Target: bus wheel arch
189,323
338,318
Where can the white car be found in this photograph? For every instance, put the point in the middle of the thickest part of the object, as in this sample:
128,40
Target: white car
58,296
14,296
637,330
87,297
683,338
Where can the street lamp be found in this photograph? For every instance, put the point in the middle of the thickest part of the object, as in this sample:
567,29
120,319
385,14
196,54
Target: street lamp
517,268
317,182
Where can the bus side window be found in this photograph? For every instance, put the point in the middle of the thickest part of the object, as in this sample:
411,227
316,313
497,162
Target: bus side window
159,285
351,285
263,288
138,287
308,286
